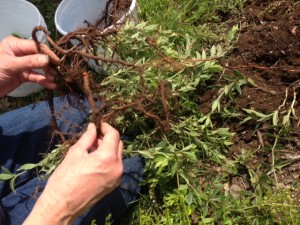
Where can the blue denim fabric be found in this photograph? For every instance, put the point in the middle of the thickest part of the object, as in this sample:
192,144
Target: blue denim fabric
25,134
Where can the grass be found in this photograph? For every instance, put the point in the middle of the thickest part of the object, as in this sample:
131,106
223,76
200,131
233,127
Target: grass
198,18
189,173
48,10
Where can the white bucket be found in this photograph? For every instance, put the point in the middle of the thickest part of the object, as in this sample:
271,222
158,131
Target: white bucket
20,17
71,14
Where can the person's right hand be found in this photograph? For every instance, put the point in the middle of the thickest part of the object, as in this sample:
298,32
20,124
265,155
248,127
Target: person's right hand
91,169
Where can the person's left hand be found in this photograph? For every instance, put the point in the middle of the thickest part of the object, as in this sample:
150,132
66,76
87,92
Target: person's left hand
18,58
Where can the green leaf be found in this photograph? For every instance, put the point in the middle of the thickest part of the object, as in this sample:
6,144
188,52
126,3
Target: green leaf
194,134
215,106
286,120
203,54
173,169
231,34
246,193
162,163
238,88
189,198
207,220
246,120
162,144
185,177
219,51
258,114
208,122
191,155
213,50
275,118
238,74
182,187
202,119
4,170
251,82
28,166
228,88
146,154
5,177
12,183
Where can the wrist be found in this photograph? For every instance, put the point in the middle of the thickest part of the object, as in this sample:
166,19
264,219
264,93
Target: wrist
49,210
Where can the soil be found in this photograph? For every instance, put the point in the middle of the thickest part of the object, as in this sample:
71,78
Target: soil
268,52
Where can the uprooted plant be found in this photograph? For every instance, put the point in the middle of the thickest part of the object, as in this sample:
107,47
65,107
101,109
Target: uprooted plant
141,51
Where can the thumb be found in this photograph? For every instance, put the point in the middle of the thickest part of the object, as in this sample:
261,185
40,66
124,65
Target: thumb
31,62
88,139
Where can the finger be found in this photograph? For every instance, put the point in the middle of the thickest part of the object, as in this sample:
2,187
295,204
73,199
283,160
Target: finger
110,141
51,71
40,79
31,62
53,58
50,74
49,78
88,139
21,46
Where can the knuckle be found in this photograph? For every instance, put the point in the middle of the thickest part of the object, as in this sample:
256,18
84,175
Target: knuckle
33,60
116,134
117,174
119,171
112,162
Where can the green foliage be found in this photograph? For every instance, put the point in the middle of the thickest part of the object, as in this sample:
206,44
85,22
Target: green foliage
43,168
93,222
191,16
176,209
235,85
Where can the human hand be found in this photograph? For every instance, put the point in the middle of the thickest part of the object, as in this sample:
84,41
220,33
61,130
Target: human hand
17,59
91,169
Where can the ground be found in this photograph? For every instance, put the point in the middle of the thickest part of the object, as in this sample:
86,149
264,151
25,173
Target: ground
267,51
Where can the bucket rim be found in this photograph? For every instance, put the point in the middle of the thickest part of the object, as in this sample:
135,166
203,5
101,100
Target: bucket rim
65,3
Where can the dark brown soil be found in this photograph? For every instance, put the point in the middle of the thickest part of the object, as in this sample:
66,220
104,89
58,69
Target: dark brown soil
268,51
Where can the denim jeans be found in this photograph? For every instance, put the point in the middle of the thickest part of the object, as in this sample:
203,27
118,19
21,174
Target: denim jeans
25,135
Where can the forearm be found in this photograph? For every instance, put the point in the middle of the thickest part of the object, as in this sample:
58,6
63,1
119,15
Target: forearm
49,211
